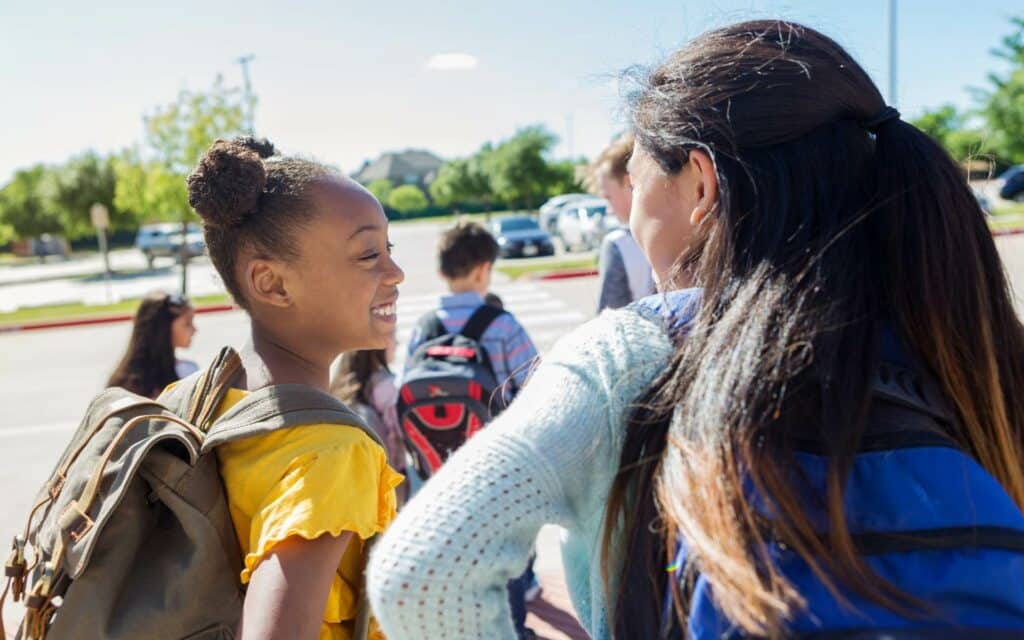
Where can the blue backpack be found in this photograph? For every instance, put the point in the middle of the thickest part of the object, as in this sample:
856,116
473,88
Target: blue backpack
927,517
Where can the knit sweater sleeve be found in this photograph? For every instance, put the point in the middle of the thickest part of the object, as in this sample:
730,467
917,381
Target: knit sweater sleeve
441,569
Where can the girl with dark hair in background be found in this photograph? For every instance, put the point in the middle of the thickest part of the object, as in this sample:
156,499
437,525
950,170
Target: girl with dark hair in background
363,381
826,438
305,251
163,323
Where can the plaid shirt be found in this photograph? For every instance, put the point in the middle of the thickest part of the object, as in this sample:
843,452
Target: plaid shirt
510,349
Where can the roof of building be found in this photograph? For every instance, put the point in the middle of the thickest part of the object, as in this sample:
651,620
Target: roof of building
395,166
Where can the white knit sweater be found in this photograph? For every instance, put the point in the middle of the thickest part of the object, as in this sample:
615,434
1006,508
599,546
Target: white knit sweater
441,569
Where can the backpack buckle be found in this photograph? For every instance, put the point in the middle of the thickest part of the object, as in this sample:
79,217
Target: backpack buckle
75,521
57,486
16,568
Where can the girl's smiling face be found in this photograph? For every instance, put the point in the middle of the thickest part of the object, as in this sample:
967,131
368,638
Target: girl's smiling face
343,287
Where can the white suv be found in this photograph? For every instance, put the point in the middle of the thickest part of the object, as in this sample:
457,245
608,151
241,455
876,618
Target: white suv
163,240
583,223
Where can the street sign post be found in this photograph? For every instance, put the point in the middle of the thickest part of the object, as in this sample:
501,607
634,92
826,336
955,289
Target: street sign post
100,217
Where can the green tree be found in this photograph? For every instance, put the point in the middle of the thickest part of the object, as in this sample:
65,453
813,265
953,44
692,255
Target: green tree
949,127
381,189
518,170
27,203
151,181
1004,101
564,177
6,234
85,180
408,198
463,181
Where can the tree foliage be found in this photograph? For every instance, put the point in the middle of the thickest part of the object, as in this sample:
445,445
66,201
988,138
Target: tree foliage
151,179
515,172
381,189
1004,101
951,128
27,203
407,198
518,169
463,181
85,180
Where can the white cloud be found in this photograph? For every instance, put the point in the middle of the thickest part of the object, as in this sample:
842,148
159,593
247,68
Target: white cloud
451,62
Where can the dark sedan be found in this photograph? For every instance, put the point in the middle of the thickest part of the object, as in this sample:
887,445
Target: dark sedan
520,236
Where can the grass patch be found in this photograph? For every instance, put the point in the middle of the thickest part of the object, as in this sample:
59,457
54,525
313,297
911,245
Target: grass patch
519,270
86,311
1015,209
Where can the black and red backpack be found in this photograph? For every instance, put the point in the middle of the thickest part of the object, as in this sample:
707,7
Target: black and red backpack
449,390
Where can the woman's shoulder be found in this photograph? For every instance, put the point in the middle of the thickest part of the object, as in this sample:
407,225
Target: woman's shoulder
642,329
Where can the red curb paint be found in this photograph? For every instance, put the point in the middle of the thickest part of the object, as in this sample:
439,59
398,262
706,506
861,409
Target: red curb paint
565,275
84,322
1008,232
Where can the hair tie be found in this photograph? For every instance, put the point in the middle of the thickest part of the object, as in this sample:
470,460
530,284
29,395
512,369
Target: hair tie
874,123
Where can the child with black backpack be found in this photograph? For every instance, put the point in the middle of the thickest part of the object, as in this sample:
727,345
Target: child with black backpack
467,361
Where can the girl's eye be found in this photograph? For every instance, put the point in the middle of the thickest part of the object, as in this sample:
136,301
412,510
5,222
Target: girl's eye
371,256
391,245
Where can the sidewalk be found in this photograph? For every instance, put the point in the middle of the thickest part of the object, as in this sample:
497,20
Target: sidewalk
551,615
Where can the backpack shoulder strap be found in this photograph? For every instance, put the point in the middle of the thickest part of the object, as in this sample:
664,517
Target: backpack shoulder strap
279,407
197,397
431,327
477,323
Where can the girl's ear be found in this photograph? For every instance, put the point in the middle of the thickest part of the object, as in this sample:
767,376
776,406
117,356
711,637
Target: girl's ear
264,283
706,185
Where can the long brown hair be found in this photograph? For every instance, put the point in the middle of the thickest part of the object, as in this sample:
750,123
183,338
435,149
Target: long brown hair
351,380
832,224
149,363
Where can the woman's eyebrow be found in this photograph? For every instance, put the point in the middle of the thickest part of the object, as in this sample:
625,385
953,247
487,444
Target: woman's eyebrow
365,227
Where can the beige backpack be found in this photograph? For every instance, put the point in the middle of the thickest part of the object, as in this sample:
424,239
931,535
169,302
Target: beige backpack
131,536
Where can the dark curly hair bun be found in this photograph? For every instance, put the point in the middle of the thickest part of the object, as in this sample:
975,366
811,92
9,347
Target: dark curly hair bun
226,185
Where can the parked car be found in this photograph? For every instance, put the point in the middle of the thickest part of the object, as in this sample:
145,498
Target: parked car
583,223
549,210
983,201
164,240
521,236
1012,183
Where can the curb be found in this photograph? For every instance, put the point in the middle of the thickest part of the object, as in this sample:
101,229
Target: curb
566,275
1008,232
84,322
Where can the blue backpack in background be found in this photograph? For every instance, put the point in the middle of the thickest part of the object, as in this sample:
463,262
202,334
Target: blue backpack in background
926,516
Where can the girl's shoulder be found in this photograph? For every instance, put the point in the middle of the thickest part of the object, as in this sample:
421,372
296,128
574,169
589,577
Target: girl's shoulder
673,310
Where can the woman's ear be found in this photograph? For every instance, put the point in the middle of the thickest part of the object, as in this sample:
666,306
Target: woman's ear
264,282
706,185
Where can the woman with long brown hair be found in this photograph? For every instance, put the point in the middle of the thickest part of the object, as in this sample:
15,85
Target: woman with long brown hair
162,324
826,438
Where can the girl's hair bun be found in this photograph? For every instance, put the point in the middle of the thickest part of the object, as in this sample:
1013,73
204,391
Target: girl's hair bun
226,185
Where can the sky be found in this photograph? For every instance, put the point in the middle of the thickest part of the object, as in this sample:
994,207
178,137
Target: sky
344,81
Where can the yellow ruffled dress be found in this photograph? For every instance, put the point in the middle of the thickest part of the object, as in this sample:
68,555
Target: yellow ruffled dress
307,481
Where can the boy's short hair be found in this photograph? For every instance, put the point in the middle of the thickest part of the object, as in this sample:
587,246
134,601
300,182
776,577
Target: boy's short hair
614,158
464,247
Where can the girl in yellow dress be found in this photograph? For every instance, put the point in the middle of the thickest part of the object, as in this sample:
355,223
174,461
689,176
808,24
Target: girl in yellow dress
305,252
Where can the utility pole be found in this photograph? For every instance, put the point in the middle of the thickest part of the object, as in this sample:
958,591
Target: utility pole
892,54
568,135
249,116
